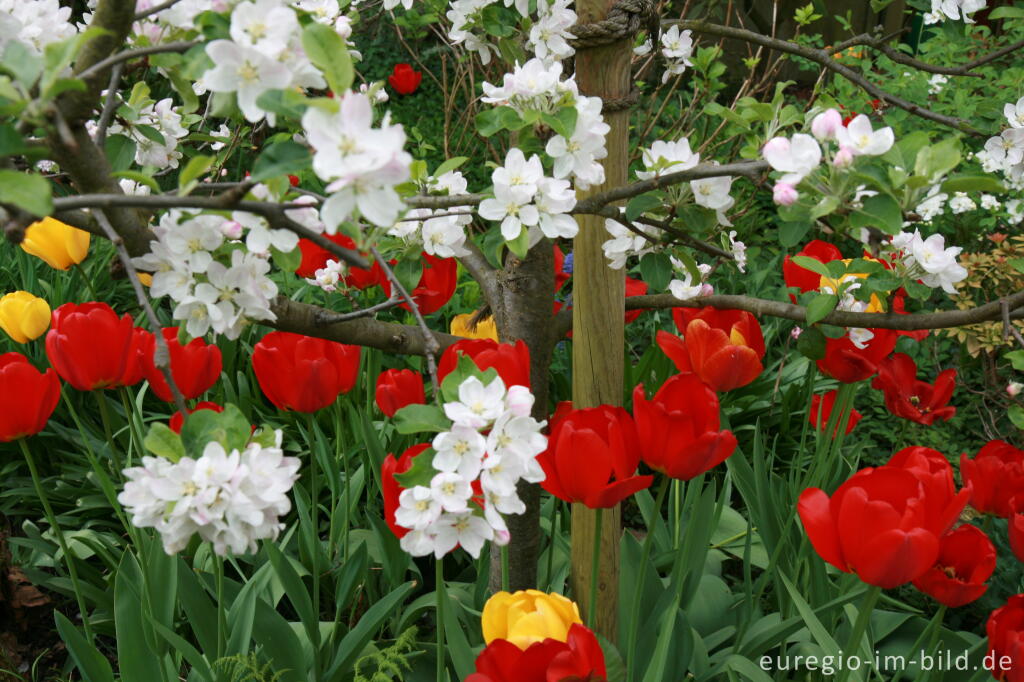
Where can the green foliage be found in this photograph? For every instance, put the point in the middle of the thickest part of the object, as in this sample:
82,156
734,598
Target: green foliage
246,668
388,663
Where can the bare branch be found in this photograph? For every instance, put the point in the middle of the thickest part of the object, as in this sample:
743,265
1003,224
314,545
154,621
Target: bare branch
156,9
109,105
1009,328
823,58
127,55
327,317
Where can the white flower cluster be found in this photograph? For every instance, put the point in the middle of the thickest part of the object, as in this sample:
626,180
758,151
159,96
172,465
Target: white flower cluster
684,289
34,23
670,157
525,198
328,276
961,203
625,242
264,53
362,164
676,48
231,499
493,442
953,9
932,205
441,233
800,156
1005,152
936,83
928,259
549,34
186,262
161,117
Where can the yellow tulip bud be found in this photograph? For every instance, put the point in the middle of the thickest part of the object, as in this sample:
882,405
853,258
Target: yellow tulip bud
23,316
485,328
59,245
528,616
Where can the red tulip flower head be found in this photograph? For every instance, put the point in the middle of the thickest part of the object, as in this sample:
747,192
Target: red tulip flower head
802,278
390,488
967,559
995,475
303,373
512,361
404,79
397,388
847,362
89,345
141,349
634,287
943,503
578,658
27,397
723,347
911,399
436,285
823,404
1016,526
195,367
592,457
878,524
1005,630
678,429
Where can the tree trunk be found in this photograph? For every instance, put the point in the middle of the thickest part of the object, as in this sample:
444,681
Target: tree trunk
598,308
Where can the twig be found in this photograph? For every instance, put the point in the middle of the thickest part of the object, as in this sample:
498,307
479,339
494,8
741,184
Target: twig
823,58
327,317
1009,328
109,105
132,54
162,355
430,345
155,9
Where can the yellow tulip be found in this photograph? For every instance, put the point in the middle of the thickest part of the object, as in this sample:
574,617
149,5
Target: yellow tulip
485,328
528,616
23,316
875,305
59,245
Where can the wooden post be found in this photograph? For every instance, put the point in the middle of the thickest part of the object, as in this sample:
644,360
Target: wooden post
597,318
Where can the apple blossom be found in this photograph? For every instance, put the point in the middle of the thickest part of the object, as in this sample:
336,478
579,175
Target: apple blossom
859,138
795,158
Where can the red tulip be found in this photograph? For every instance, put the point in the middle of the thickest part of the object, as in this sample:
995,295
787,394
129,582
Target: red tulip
361,278
315,257
995,475
561,276
1005,630
678,429
404,79
723,347
436,285
802,278
826,413
178,420
398,388
592,457
195,367
303,373
141,348
943,503
390,488
1015,526
578,658
511,360
911,399
966,560
89,345
634,287
878,525
27,397
847,363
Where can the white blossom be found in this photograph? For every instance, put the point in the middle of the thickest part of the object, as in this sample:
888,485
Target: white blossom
795,158
860,139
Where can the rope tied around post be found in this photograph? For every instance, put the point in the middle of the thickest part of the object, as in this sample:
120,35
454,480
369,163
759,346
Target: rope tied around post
625,19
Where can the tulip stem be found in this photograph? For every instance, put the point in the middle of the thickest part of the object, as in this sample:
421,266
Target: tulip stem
860,626
931,632
595,568
439,593
222,623
51,518
638,591
85,278
101,399
314,518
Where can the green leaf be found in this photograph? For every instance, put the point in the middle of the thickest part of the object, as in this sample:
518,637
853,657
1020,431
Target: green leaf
521,244
936,160
818,631
151,133
825,206
465,369
792,232
230,428
656,270
93,665
120,151
284,103
812,264
327,50
811,343
973,183
1016,359
562,122
450,165
22,64
421,472
135,659
1007,13
1016,415
641,204
286,261
163,442
193,170
820,306
917,291
497,22
421,418
491,121
27,191
409,271
880,211
355,641
281,159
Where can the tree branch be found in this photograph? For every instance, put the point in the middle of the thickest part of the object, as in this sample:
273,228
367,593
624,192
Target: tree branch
133,54
823,58
156,9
